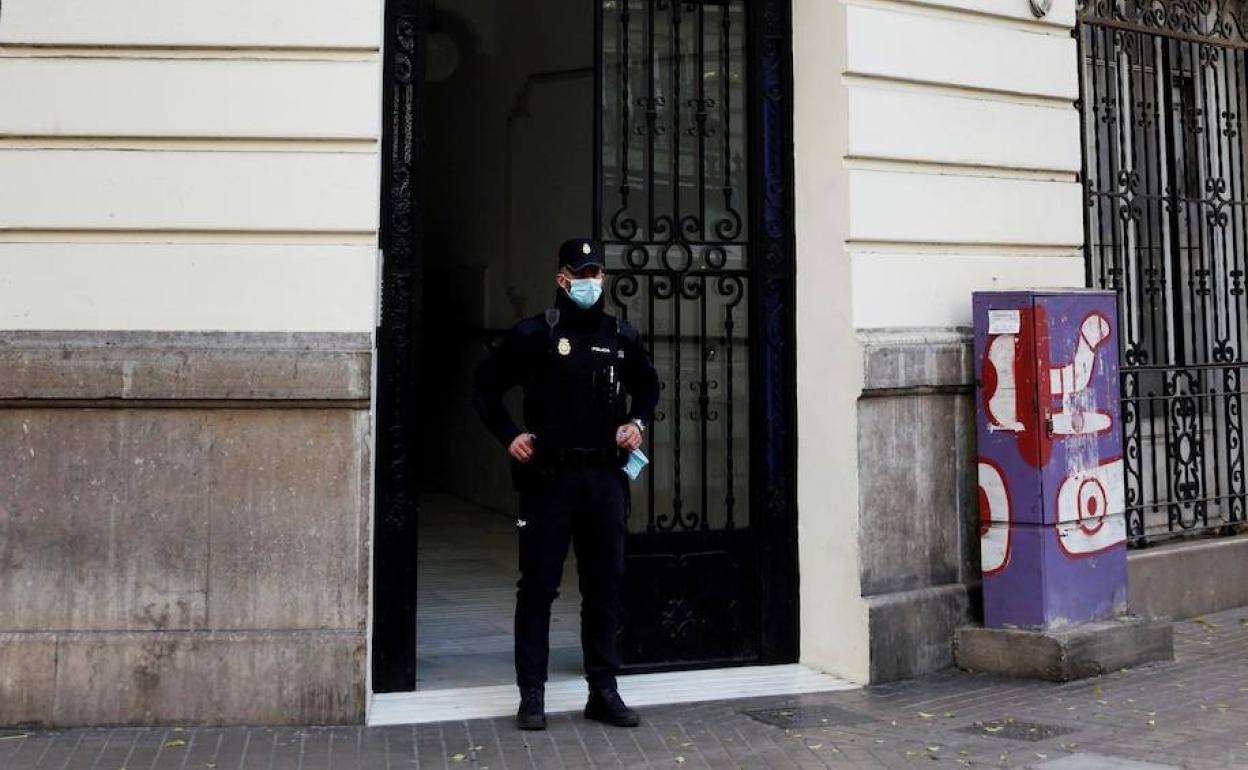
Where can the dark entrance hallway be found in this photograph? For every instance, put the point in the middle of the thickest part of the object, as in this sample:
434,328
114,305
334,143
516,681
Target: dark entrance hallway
508,116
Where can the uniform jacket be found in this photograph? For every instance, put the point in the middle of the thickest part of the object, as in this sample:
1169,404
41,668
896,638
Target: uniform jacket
568,373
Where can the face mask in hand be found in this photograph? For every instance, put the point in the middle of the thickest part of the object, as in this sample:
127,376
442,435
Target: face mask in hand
636,461
585,291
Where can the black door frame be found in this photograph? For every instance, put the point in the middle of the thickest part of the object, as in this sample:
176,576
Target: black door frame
773,320
773,325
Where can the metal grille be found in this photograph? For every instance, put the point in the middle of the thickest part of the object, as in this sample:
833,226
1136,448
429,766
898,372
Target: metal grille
693,198
1015,730
672,211
807,716
1163,95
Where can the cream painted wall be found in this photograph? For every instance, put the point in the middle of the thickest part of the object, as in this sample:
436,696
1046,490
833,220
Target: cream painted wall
937,153
175,165
963,155
269,24
829,364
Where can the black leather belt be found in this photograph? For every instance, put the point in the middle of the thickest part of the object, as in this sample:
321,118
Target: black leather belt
587,456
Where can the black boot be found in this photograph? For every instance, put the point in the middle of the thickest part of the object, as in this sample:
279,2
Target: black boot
532,713
606,705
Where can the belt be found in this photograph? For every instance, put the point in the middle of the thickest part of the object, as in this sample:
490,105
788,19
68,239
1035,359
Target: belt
586,456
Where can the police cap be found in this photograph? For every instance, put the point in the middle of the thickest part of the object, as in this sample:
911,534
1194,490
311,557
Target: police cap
580,253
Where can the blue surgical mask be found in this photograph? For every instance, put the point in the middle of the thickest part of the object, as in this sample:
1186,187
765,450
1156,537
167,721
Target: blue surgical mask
585,291
636,461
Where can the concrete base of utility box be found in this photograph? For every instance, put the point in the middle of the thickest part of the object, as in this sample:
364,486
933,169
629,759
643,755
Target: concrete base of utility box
1065,654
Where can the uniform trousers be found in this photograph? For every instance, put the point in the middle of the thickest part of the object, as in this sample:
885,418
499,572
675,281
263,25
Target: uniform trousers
584,504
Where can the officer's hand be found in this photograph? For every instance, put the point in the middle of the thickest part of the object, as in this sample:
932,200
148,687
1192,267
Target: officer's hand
628,436
522,447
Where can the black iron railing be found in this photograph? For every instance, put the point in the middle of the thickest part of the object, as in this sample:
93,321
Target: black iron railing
1163,93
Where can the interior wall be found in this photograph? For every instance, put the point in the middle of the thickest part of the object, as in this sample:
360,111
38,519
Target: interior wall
510,142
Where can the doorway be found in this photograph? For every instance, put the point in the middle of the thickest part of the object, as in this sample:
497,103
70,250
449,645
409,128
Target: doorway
662,128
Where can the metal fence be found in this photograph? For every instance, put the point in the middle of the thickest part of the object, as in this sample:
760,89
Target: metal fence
1163,93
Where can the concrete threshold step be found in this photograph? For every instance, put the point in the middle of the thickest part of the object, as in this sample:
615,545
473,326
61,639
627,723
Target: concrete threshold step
424,706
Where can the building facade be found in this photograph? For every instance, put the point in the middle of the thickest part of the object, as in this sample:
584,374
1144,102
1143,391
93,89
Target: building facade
250,252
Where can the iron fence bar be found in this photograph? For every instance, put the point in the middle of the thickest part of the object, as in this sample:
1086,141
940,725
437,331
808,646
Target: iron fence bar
676,228
651,524
737,295
677,518
700,119
1154,181
704,412
599,119
725,97
1080,34
1171,191
1175,338
1239,231
1213,296
652,117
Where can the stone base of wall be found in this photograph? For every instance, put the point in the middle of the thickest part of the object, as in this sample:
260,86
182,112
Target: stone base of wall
911,632
184,528
226,677
1186,579
918,540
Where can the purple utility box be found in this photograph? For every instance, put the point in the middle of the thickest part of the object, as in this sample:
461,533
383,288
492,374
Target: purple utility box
1051,501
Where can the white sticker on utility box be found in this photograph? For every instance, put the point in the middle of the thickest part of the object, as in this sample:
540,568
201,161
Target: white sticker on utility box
1003,322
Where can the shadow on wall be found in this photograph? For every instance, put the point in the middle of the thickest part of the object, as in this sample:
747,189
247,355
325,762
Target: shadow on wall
509,147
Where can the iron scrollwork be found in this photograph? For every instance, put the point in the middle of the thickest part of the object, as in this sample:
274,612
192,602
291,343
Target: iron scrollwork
1215,21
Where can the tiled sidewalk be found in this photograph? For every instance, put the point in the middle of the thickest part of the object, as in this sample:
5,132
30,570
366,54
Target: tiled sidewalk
1191,713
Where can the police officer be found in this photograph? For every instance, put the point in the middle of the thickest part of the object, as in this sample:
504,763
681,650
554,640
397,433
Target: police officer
590,391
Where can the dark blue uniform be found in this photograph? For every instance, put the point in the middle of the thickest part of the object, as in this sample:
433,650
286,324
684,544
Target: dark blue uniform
584,374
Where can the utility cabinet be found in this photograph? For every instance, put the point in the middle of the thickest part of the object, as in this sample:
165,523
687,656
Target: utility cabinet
1050,468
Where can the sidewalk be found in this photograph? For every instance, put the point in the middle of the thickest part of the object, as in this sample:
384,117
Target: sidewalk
1192,713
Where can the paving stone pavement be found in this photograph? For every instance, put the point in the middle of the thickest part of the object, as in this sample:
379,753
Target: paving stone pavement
1192,713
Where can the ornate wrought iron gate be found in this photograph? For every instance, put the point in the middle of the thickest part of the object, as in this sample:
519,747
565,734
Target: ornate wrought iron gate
691,185
1163,99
